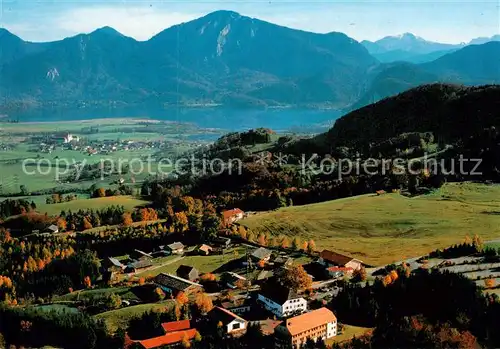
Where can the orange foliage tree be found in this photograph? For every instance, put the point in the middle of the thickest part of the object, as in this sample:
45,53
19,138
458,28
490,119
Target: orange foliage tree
86,282
489,283
204,303
181,298
296,278
127,219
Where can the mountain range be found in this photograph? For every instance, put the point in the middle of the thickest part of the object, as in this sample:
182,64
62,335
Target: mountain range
227,59
410,48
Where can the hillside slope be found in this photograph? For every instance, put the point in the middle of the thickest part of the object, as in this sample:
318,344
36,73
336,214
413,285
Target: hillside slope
451,112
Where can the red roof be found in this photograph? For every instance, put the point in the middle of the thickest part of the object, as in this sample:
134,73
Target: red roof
176,326
230,213
168,339
334,257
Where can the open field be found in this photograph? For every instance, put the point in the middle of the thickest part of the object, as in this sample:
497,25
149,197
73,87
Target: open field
388,228
205,264
123,292
128,202
120,318
348,333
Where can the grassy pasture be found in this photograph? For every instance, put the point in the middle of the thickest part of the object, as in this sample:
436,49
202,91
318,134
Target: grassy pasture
391,227
128,202
120,318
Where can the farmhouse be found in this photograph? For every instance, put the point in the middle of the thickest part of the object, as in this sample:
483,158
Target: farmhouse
205,250
138,265
333,259
238,306
114,265
294,332
175,248
231,216
53,229
231,278
281,300
261,254
187,272
222,241
173,284
233,324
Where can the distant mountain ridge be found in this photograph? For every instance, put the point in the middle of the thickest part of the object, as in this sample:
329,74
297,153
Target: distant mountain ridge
472,65
224,58
410,48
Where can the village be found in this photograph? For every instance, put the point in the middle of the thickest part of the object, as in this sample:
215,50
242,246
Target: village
247,290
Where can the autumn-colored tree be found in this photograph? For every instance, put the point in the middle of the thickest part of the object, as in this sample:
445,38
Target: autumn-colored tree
86,223
296,243
208,277
359,274
262,240
159,294
394,275
127,219
477,242
87,282
261,264
296,278
177,311
242,232
197,337
100,193
181,298
387,280
142,281
61,224
489,283
241,284
185,341
284,242
203,302
180,222
304,246
311,246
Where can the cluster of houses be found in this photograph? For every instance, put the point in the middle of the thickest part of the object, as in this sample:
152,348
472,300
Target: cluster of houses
294,323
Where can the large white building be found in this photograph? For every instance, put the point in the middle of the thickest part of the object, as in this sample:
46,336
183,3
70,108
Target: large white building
281,301
317,324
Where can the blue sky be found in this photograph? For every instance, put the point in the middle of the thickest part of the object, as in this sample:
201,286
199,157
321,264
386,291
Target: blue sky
443,21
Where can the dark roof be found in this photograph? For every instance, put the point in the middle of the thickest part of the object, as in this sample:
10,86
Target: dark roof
174,282
278,293
283,260
115,262
225,316
185,269
335,258
140,264
176,246
221,240
236,303
261,253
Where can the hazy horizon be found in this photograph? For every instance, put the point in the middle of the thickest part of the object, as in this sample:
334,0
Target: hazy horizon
445,22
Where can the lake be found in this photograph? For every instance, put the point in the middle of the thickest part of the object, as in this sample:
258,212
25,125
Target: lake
280,120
